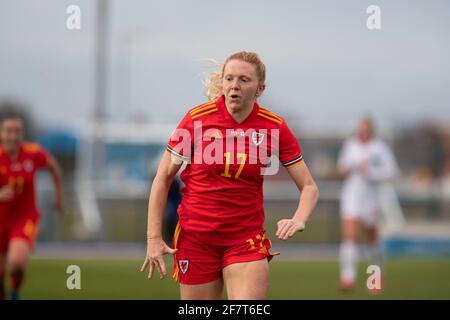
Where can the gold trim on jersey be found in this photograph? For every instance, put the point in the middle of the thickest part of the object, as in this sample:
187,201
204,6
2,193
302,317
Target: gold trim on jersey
203,113
176,271
177,155
269,117
31,147
294,162
269,113
202,107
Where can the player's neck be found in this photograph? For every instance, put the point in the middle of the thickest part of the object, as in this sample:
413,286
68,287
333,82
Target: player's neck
242,114
12,152
366,141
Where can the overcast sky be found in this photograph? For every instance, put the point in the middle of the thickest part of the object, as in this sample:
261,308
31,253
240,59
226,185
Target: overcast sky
325,68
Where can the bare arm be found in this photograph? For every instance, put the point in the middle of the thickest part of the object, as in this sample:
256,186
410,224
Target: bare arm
55,172
307,202
158,195
343,172
156,247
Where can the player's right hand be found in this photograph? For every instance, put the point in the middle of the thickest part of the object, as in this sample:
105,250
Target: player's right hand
6,193
156,249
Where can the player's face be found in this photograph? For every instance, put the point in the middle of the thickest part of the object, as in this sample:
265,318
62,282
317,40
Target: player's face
240,85
365,131
11,133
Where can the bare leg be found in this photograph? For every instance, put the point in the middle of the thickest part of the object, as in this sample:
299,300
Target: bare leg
206,291
19,252
348,254
247,280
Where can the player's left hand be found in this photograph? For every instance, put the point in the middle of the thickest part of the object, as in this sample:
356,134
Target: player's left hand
288,227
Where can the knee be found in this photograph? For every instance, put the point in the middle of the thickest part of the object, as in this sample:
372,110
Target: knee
350,234
17,273
16,267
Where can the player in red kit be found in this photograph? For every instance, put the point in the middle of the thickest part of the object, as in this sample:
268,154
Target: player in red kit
19,215
229,144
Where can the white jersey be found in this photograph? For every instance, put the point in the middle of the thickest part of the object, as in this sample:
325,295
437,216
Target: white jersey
359,196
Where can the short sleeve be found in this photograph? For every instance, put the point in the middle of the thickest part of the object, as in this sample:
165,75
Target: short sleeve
290,152
41,157
181,142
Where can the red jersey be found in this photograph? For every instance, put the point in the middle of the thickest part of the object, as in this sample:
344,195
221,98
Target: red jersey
20,175
223,194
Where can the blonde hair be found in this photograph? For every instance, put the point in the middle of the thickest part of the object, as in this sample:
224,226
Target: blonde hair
213,83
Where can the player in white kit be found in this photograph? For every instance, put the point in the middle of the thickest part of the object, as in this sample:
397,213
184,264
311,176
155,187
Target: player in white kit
366,162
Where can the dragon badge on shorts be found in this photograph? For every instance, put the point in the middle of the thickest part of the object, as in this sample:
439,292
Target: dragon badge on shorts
184,265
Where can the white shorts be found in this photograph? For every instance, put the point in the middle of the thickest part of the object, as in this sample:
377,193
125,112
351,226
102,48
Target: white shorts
368,218
366,210
360,201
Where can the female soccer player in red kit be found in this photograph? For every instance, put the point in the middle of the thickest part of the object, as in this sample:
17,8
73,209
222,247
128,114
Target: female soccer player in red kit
19,216
220,239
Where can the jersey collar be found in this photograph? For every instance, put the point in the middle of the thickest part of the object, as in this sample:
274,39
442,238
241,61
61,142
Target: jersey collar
10,158
220,102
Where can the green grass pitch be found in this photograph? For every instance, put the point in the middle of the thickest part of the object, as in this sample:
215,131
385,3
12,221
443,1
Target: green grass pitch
121,279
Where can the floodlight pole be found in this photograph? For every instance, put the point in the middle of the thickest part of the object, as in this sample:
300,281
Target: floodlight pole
101,63
92,215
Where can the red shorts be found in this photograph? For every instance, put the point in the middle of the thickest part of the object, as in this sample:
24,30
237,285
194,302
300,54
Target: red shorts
196,262
24,228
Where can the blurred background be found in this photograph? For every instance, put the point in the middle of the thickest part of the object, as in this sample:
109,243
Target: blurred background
104,98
